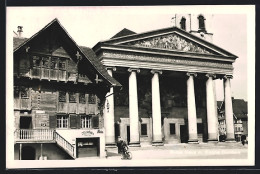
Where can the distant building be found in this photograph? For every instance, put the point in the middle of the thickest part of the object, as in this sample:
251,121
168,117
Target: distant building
240,115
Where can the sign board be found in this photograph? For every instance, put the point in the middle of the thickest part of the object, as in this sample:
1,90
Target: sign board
42,121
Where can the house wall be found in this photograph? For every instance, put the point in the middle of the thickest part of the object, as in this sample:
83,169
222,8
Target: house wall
51,150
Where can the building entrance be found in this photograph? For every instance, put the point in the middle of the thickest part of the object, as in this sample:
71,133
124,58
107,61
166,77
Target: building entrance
25,122
184,133
88,147
28,153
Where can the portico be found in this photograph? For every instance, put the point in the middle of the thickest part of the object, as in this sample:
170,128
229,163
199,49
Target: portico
168,77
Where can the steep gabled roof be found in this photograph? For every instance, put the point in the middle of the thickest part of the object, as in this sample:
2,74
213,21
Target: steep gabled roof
239,107
88,54
123,32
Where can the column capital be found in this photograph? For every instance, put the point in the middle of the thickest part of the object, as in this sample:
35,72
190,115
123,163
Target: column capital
191,74
153,71
211,75
228,77
113,68
134,69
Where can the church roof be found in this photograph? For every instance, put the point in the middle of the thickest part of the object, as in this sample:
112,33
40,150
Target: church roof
87,52
130,37
123,32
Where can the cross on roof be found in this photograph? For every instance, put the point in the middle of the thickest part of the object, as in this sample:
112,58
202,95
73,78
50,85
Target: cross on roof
78,56
97,79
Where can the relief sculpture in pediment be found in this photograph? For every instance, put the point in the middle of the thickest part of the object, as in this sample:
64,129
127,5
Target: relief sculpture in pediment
171,42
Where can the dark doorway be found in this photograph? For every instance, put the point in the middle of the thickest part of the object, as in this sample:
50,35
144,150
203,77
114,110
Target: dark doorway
184,133
25,122
28,153
88,147
128,134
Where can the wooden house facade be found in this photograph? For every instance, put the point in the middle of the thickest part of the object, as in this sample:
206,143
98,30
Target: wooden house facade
59,93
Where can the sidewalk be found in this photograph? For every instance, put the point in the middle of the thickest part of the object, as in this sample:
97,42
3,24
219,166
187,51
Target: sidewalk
186,151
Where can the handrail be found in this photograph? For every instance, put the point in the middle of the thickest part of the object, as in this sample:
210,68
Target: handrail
43,135
64,144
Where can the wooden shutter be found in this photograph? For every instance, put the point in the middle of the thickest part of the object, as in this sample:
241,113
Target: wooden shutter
95,122
53,122
78,121
73,121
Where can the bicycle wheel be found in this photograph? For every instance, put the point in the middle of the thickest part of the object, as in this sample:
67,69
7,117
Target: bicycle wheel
129,155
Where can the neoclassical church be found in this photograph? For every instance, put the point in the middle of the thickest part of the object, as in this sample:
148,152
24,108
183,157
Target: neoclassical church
150,88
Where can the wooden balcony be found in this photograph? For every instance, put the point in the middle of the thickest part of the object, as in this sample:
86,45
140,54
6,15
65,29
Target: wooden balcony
34,135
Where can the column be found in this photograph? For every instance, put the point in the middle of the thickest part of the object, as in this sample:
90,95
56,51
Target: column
20,150
133,108
156,108
211,109
228,109
109,114
192,118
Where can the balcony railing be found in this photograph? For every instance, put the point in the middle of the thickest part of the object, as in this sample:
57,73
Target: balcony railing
34,135
47,135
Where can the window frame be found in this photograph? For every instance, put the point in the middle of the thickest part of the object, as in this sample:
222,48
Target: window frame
63,122
145,129
170,128
72,95
85,121
60,92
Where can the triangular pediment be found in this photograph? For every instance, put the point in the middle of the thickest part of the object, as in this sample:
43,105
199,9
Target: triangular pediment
173,42
170,39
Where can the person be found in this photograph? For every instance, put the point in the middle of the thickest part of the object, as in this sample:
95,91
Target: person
243,139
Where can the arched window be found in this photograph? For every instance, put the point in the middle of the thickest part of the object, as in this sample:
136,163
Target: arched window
201,23
183,23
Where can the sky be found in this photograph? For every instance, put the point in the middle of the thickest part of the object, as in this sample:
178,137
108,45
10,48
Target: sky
89,25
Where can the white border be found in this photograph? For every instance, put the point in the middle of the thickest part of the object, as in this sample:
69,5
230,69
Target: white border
249,10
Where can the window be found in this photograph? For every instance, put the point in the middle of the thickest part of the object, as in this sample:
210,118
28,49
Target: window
36,61
183,23
54,63
62,65
72,97
91,99
45,62
62,96
82,98
85,121
200,128
172,128
62,121
143,129
201,23
24,92
16,91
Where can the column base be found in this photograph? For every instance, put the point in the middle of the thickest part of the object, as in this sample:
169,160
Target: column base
213,140
230,140
111,145
134,144
157,143
193,141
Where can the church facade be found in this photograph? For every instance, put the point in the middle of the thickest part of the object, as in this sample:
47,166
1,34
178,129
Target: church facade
168,93
153,88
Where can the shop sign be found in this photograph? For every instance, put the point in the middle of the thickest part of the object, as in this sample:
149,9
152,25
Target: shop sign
100,131
87,133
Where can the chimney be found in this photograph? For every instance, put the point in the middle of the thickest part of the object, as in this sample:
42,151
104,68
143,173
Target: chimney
19,31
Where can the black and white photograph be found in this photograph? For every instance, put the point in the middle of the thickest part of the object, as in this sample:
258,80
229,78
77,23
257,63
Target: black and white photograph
117,86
